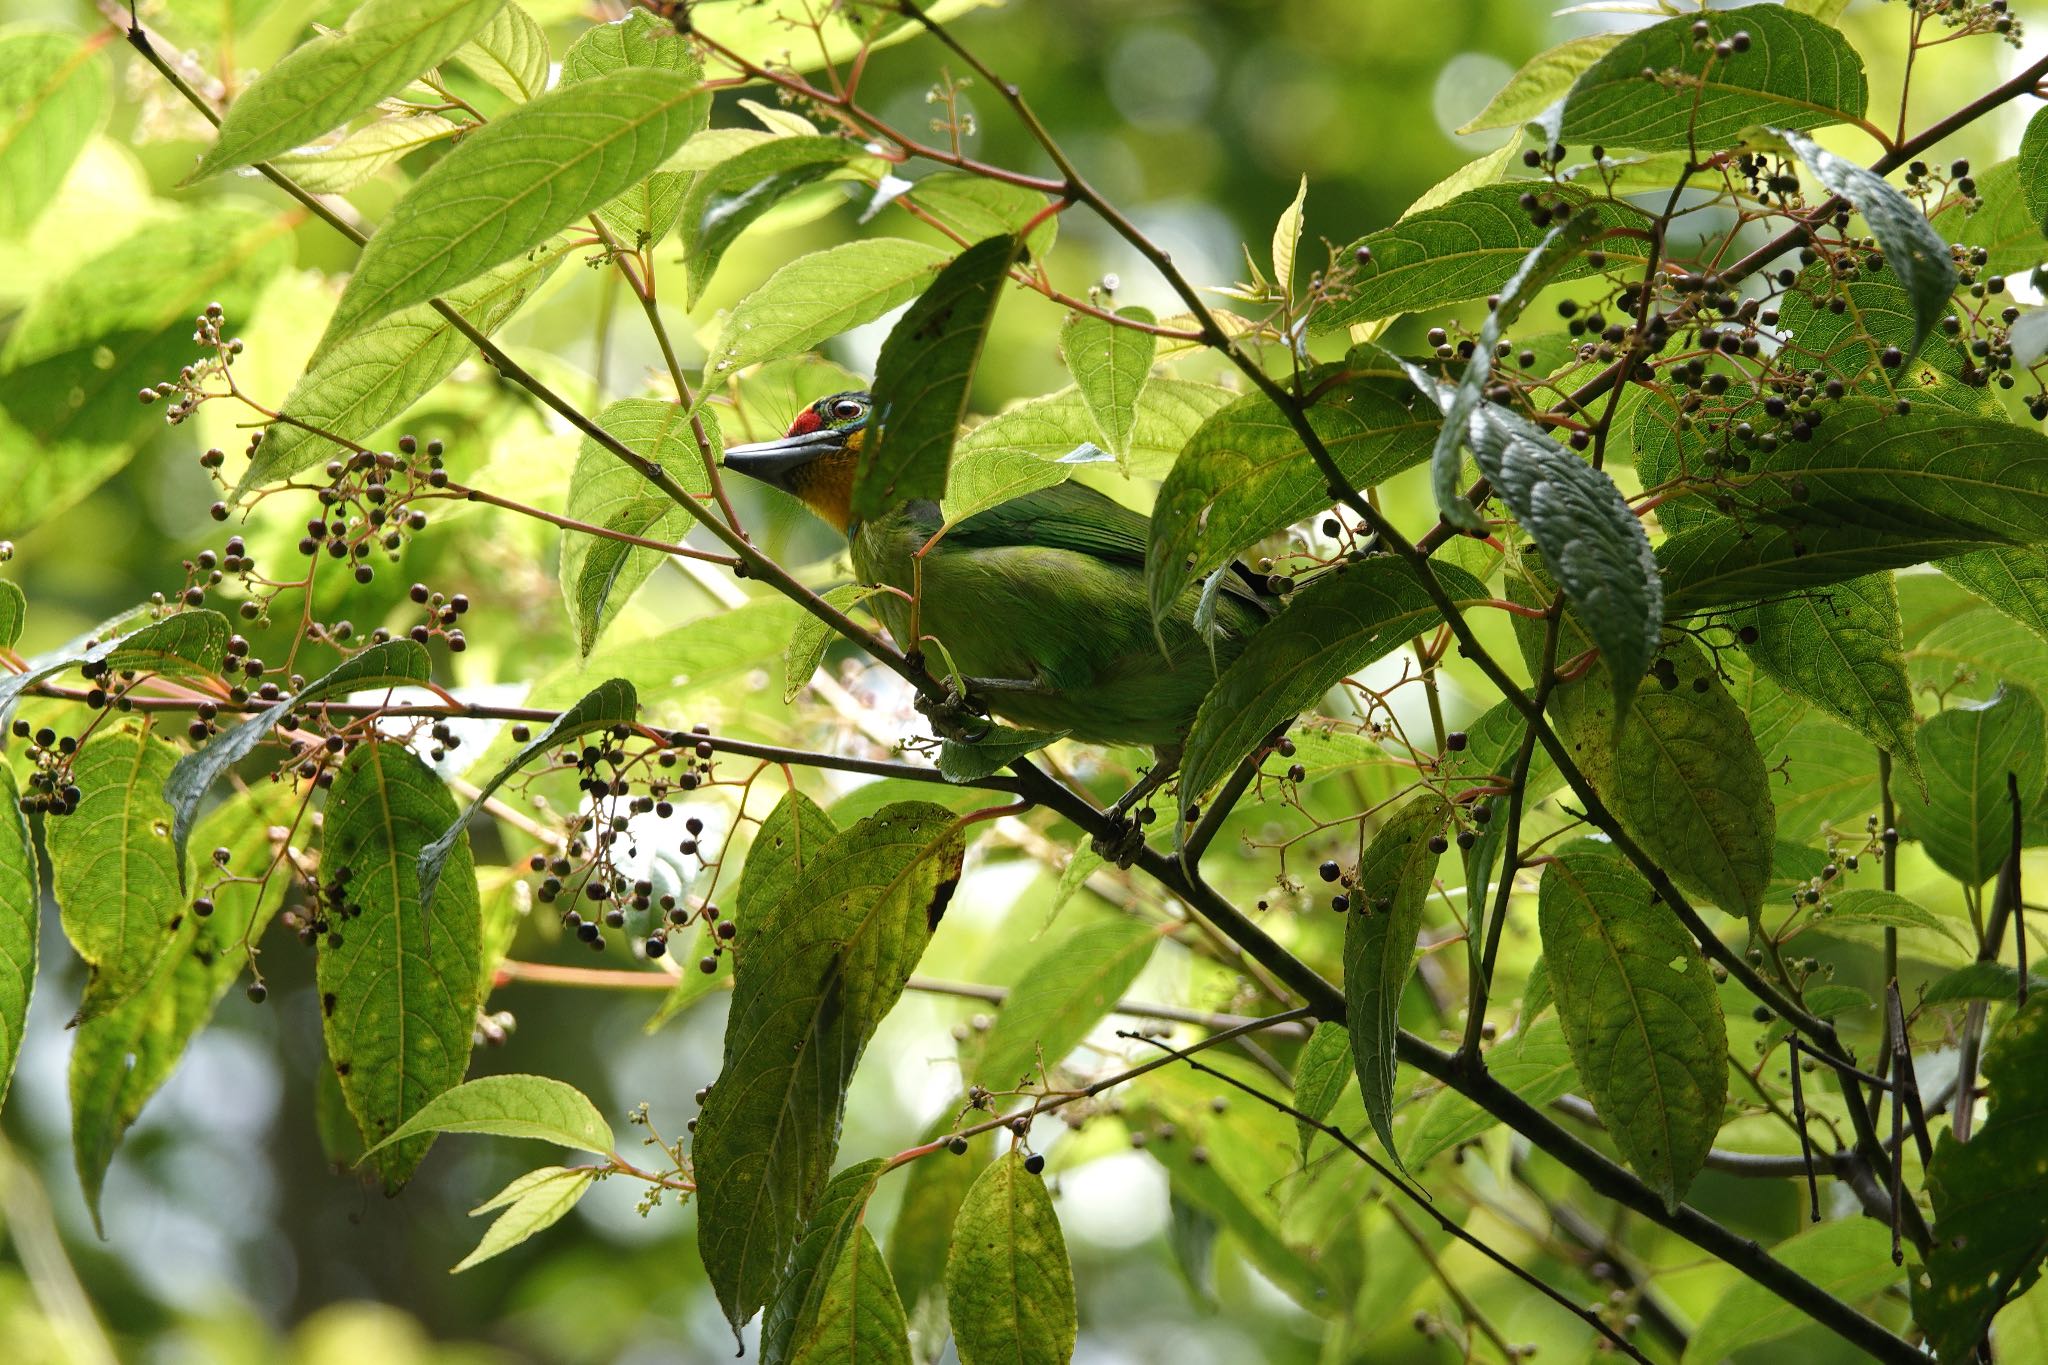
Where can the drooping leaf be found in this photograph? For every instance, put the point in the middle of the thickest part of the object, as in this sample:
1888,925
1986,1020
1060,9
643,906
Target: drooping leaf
816,297
1850,1258
537,1107
1394,879
20,912
532,1203
353,388
1329,630
727,198
2012,578
183,645
1869,907
1998,981
807,643
1842,649
1062,995
395,663
1244,475
1536,1064
53,89
511,185
598,574
398,994
932,1194
1110,365
815,971
1541,82
509,54
1988,1197
338,75
993,752
922,378
1009,1287
1794,72
611,703
1640,1013
792,1327
1321,1073
1966,751
1914,252
1464,249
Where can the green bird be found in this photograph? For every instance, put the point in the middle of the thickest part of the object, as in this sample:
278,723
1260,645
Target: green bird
1040,602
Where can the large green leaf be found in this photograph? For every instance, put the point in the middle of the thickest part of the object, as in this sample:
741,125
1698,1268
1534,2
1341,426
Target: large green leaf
398,992
1850,1258
21,903
836,1300
815,971
1990,1204
1876,314
1244,475
1061,995
537,1107
356,386
1330,629
761,30
729,197
2003,223
2033,166
1541,82
1110,365
1966,752
816,297
1727,561
1841,648
1640,1012
641,38
53,90
1394,880
922,379
976,207
1009,1287
1536,1064
338,75
1914,252
1868,907
112,866
1464,249
1796,73
514,183
2012,578
932,1194
599,574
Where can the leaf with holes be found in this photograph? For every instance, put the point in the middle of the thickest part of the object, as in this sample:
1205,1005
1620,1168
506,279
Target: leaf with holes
922,379
816,297
729,197
536,1107
1966,752
1640,1012
1062,995
1110,365
53,91
816,969
399,990
1009,1286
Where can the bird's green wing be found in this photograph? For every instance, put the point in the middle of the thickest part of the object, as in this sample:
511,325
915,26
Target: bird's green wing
1066,516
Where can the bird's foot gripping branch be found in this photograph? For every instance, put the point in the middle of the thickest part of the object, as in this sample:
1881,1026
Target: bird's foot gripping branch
1593,622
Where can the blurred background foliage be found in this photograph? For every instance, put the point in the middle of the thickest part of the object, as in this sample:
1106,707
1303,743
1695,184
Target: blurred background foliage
228,1236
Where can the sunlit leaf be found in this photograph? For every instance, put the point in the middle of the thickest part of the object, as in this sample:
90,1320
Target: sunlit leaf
726,199
365,152
13,613
1844,910
53,90
509,54
1321,1073
799,1323
1850,1258
816,297
1536,1065
976,207
1541,82
1110,365
2012,578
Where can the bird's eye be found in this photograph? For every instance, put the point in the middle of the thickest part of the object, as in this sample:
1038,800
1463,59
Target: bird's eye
846,409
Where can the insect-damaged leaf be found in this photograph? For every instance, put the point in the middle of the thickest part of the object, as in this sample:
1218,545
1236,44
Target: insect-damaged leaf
922,378
818,967
1009,1286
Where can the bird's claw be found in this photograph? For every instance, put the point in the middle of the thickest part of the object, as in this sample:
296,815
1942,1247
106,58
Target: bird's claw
956,716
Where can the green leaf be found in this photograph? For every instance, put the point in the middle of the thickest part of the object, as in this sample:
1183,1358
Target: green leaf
599,574
815,971
1287,239
1989,1201
1394,880
923,1233
993,752
1914,252
859,1316
1843,650
121,1058
1640,1012
922,379
2012,578
1541,83
985,478
1110,365
514,183
535,1201
364,153
1059,998
1726,561
1966,752
1328,631
729,197
187,644
791,1322
1244,476
611,703
353,388
1464,249
1796,73
808,642
977,208
53,91
21,903
1996,981
1536,1064
509,54
1321,1073
2033,166
761,29
1057,425
395,663
1887,909
1850,1258
1009,1288
13,613
113,870
2002,223
642,38
537,1107
398,994
338,75
816,297
1876,313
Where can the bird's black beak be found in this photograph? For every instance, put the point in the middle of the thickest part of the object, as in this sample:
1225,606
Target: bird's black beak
773,462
